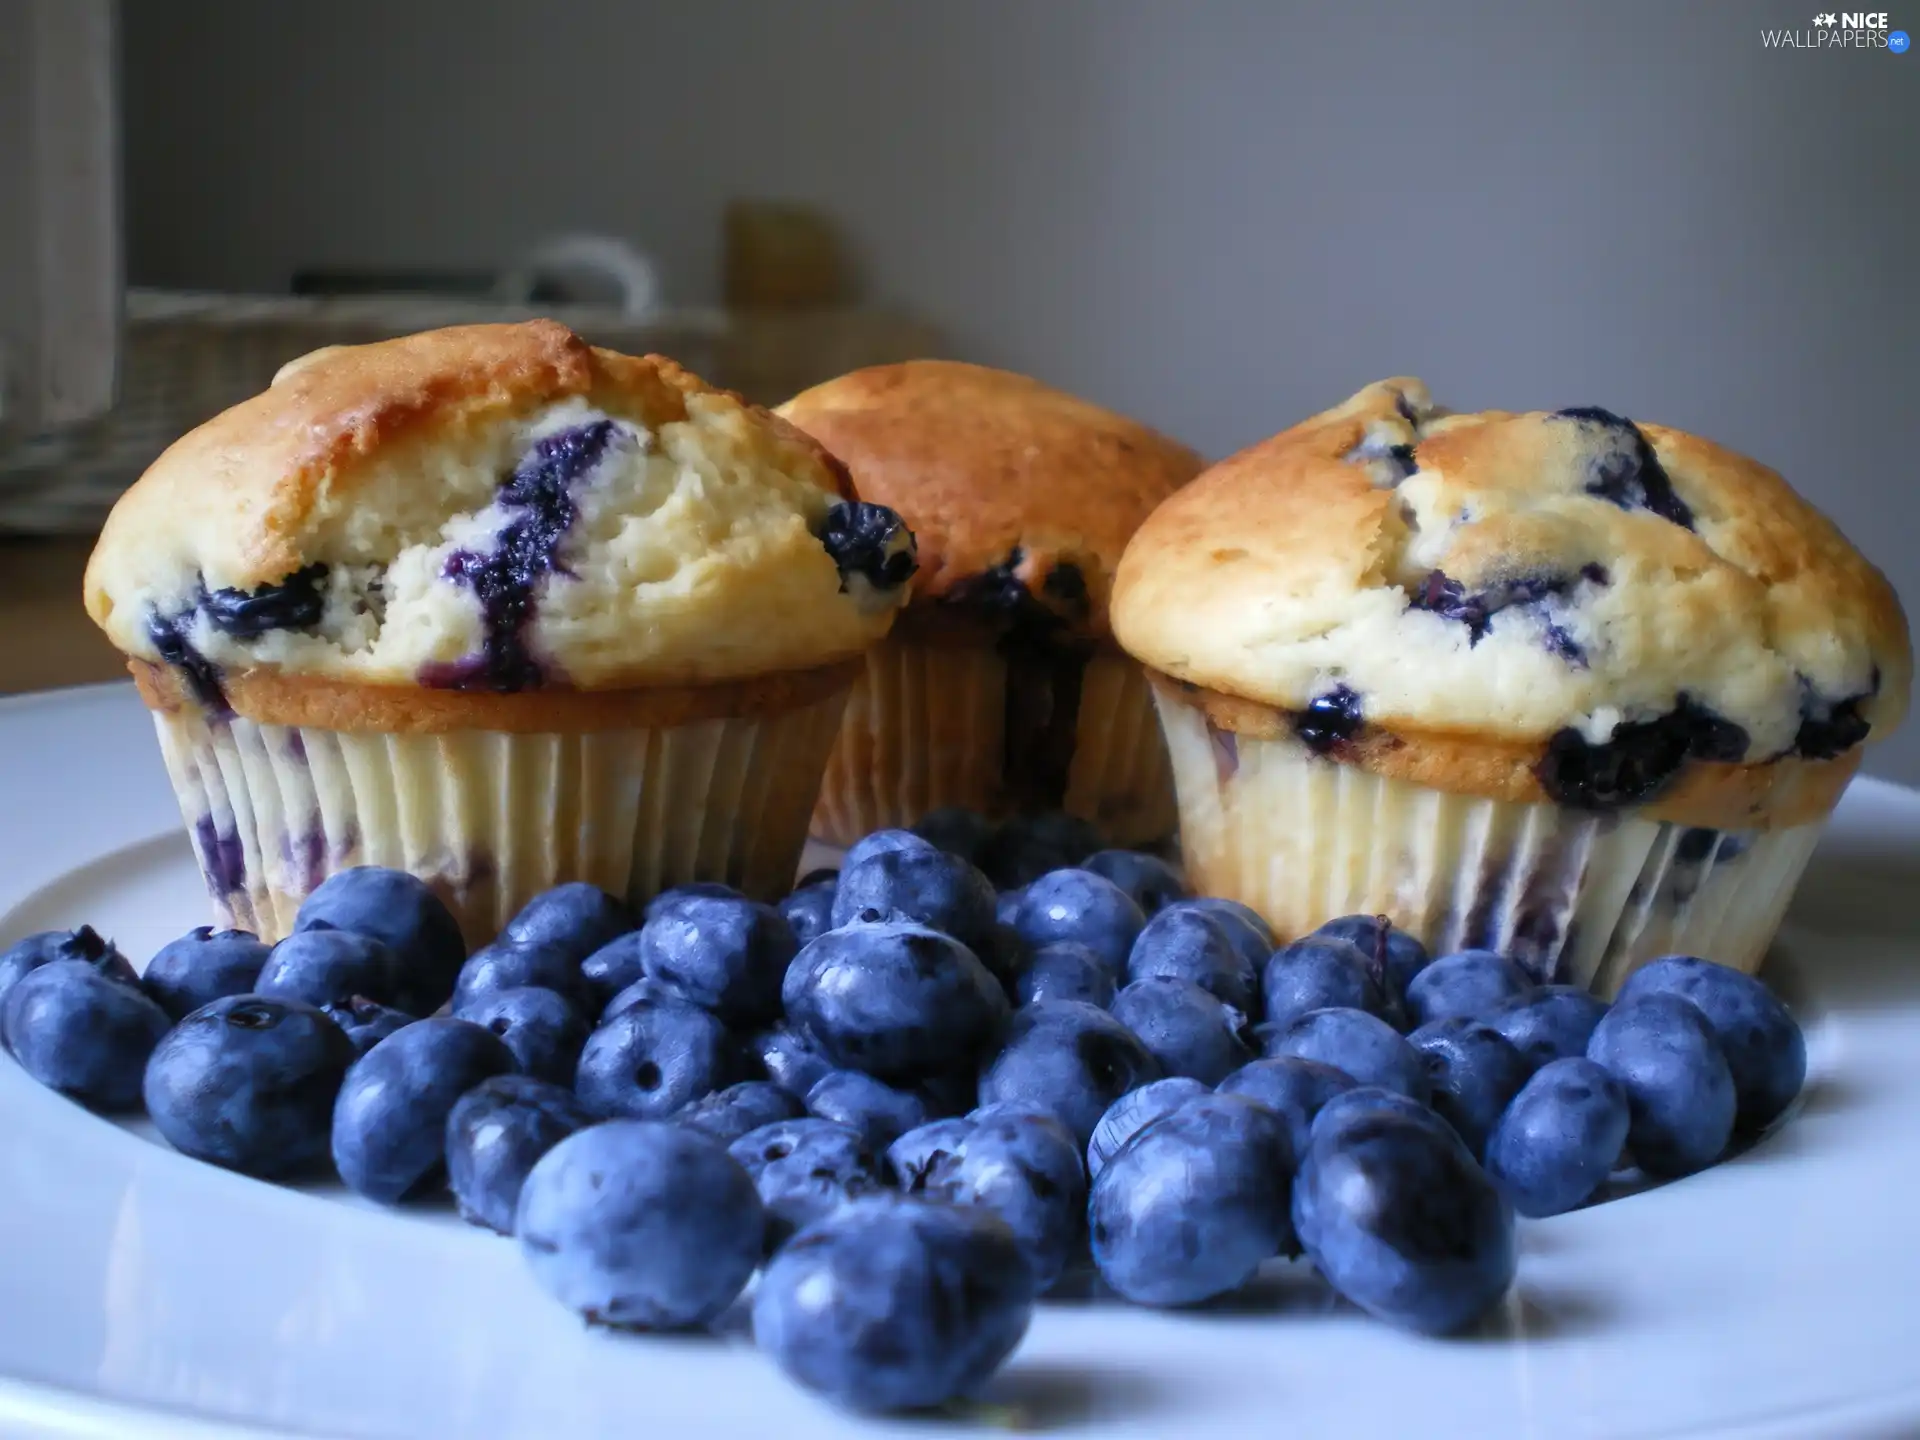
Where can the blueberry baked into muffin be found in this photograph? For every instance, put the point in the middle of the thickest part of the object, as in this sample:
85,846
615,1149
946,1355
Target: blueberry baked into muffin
1560,685
498,608
1000,690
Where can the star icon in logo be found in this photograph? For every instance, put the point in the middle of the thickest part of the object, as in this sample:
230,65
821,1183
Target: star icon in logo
1825,18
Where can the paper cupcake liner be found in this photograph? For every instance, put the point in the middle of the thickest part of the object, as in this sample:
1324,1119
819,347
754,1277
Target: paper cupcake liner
925,727
1575,897
491,819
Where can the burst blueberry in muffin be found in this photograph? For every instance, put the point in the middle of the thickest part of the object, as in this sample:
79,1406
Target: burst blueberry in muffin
1001,689
498,608
1558,684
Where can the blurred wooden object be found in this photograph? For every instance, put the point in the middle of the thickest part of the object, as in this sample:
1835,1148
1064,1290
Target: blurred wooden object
50,640
780,256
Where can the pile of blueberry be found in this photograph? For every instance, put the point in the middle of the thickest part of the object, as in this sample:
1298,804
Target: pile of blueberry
972,1065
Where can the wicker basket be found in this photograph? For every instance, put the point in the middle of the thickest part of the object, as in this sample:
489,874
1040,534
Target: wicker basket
188,357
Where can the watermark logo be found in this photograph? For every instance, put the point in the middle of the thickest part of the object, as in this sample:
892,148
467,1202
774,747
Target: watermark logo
1841,30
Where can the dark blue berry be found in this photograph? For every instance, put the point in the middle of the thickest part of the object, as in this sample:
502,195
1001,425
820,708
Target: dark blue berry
928,887
1026,1169
295,603
200,967
1394,957
1638,759
575,918
541,1027
879,1112
1551,1023
1469,983
77,1030
1560,1138
1363,1045
869,542
804,1169
1083,907
728,955
1329,720
1625,471
496,1134
1152,883
25,956
1765,1051
808,911
1069,1058
1189,1031
399,911
1245,927
511,965
1064,971
956,830
1187,942
728,1114
1680,1092
1316,973
654,1057
1133,1112
325,967
1472,1074
1296,1089
791,1060
366,1022
881,842
613,967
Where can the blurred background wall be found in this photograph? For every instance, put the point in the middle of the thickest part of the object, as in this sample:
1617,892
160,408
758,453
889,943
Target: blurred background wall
1219,215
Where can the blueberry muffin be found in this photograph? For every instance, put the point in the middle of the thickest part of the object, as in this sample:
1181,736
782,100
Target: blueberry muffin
1001,689
498,608
1555,684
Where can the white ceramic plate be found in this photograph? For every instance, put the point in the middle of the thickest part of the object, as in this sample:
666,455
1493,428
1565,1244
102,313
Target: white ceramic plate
145,1295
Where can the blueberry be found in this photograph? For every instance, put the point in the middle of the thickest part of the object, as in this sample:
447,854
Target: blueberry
1194,1203
1363,1045
1622,466
895,999
613,967
791,1060
1348,1105
1316,973
1330,720
1006,905
1023,849
728,1114
928,887
1560,1138
249,1083
202,966
365,1022
541,1028
895,1304
324,967
47,946
1401,1221
640,1225
1297,1089
1070,1058
1469,983
77,1030
954,1093
1189,1031
1065,970
1151,882
654,1057
1190,943
390,1122
805,1169
295,603
400,912
1551,1023
575,918
879,1112
1025,1168
869,544
1390,951
1472,1074
506,965
808,911
1250,934
882,842
956,830
1133,1112
1081,906
496,1134
1765,1050
1004,954
727,955
692,890
1680,1090
908,1157
1638,759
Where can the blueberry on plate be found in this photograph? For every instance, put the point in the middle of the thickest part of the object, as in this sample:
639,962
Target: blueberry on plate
895,999
1194,1203
1070,1059
390,1122
76,1029
1316,974
1679,1088
1391,952
1150,881
908,1157
1470,983
894,1304
507,965
613,967
808,911
541,1028
203,966
576,919
1554,1022
1560,1138
399,911
791,1060
1251,933
727,955
324,967
1189,1031
928,887
249,1083
1363,1045
804,1169
1133,1112
1065,970
654,1057
366,1022
1343,1108
880,842
692,890
639,1225
879,1112
1473,1072
1188,942
496,1134
1396,1215
727,1114
1026,1169
1081,906
27,955
1294,1087
956,830
1762,1042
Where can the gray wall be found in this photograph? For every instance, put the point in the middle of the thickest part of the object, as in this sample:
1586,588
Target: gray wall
1220,214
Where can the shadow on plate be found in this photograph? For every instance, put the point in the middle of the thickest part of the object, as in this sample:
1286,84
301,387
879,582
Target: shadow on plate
1057,1395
